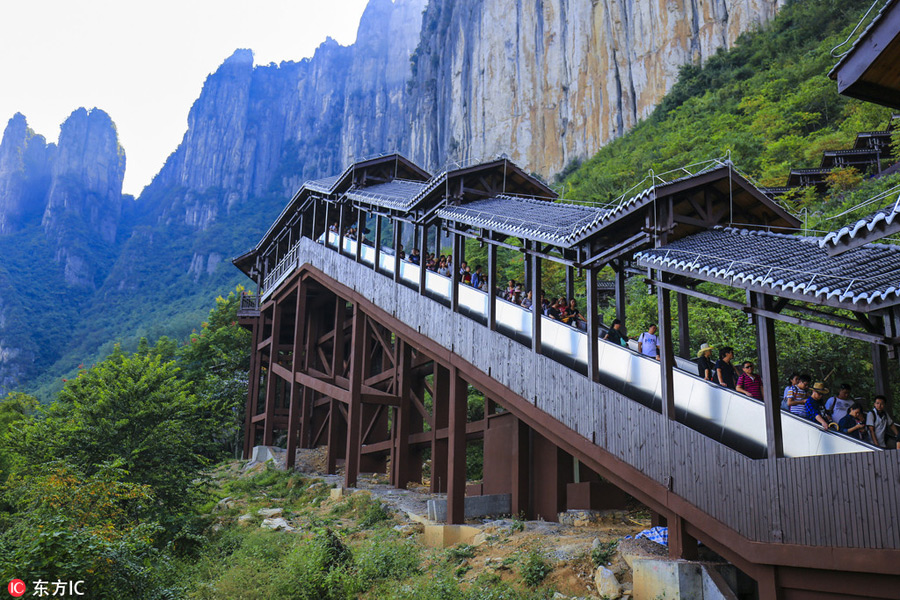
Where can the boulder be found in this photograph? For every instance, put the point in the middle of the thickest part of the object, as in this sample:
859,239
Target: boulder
245,519
277,524
270,513
607,584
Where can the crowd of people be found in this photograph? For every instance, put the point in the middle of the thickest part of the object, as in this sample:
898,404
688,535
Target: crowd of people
801,397
807,400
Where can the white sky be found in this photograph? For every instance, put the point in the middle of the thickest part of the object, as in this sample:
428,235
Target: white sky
144,62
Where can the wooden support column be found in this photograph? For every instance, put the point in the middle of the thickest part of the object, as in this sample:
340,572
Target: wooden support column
337,368
620,297
492,287
341,228
527,266
402,418
684,331
327,224
440,410
455,276
272,379
423,250
768,370
570,282
593,322
535,297
521,470
681,544
398,244
296,408
360,226
456,459
315,205
437,238
354,410
253,387
377,265
882,376
666,351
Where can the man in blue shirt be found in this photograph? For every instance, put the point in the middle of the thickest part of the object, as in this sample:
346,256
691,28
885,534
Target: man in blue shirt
648,343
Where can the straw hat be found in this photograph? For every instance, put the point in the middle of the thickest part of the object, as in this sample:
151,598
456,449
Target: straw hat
704,348
819,387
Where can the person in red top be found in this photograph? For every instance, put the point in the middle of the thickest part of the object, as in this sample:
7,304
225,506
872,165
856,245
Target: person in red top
749,383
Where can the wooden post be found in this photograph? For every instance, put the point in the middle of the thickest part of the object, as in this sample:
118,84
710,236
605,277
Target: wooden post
768,370
252,387
423,249
492,287
296,408
882,376
456,458
455,277
272,379
400,462
535,297
377,265
593,320
521,470
620,297
312,232
340,208
527,266
360,225
440,409
570,282
337,368
681,544
354,410
327,224
398,243
666,351
684,331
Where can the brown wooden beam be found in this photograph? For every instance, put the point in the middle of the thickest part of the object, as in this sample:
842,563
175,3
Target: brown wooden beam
354,408
456,457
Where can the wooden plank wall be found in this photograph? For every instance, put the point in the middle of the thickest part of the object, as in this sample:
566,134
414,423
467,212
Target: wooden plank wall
848,500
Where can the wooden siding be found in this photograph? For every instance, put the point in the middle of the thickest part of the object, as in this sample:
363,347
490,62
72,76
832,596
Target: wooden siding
846,500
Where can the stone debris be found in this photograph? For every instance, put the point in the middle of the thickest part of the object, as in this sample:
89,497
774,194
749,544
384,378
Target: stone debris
277,524
245,519
270,513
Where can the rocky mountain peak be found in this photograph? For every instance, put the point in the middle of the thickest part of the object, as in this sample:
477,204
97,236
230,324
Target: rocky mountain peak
25,163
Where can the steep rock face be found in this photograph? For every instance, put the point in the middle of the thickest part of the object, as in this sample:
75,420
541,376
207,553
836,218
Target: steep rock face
84,202
375,107
554,80
25,163
264,130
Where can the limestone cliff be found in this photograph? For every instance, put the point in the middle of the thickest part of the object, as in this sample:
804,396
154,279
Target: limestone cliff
84,202
553,80
265,129
25,163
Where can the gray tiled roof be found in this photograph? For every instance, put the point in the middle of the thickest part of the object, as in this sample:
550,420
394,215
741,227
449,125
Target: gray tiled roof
783,263
552,222
394,194
323,185
866,225
862,36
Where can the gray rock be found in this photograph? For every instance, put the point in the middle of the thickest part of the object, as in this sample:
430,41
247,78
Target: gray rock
270,513
607,584
245,519
278,524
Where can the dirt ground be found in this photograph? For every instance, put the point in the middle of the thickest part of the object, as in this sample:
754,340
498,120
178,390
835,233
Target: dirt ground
566,547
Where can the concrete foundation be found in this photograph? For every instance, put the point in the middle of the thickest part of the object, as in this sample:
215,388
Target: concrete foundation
444,536
493,505
678,580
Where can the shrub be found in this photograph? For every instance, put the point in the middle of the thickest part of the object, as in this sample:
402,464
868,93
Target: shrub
534,568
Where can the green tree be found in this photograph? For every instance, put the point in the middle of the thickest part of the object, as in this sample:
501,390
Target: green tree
132,408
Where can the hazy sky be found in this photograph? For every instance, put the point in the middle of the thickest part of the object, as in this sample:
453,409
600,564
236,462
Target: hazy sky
145,62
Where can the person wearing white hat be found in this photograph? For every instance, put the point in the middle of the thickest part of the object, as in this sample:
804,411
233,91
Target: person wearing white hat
705,365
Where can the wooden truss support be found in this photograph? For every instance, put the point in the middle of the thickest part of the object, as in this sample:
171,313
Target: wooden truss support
252,388
272,381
